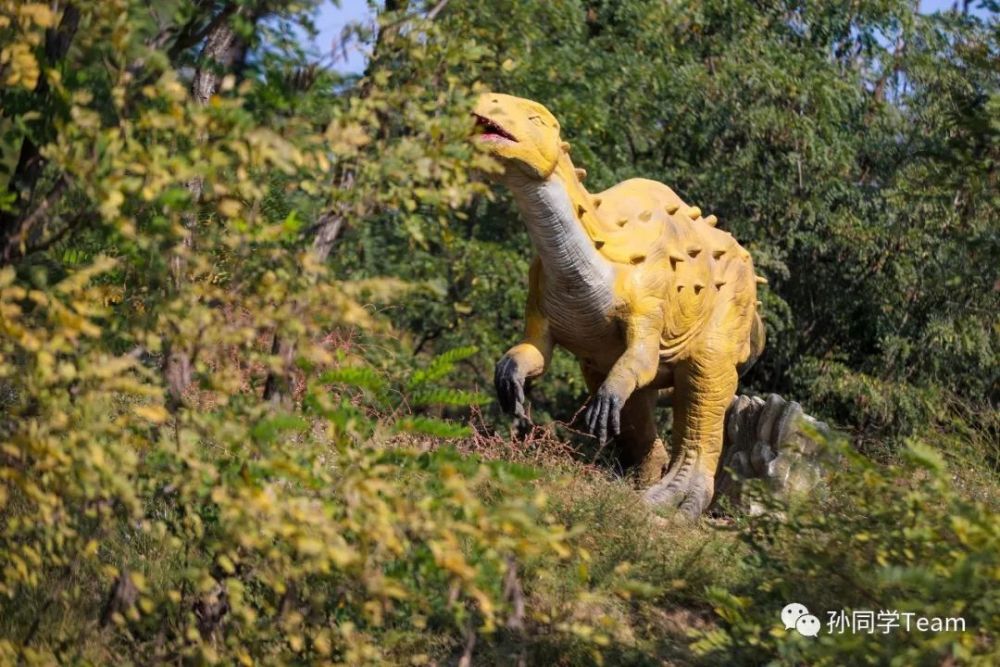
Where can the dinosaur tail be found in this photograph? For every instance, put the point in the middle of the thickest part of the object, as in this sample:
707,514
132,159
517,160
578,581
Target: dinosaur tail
772,440
757,339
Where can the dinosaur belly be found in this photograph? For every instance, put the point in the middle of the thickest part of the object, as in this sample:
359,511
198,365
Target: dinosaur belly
580,319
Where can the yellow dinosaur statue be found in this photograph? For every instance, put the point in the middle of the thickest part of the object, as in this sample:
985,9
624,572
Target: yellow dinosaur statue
641,289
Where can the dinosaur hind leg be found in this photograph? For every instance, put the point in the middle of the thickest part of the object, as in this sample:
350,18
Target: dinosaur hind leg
640,450
702,392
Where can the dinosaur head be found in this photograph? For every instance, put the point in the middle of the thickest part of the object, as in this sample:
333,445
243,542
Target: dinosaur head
521,134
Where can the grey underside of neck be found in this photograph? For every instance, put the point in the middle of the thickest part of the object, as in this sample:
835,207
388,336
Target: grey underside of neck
570,262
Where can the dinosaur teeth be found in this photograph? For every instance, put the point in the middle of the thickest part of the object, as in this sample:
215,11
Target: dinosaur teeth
580,173
672,208
711,221
565,147
694,212
760,280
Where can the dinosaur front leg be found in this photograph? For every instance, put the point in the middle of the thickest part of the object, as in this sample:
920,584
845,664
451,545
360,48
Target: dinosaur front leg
521,362
703,389
635,369
640,450
525,360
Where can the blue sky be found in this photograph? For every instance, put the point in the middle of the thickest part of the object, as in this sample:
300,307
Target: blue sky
332,19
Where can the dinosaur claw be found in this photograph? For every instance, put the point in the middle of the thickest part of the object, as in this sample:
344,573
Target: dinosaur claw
519,401
603,417
510,387
589,418
602,424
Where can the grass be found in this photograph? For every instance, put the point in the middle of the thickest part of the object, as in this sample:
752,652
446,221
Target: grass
637,586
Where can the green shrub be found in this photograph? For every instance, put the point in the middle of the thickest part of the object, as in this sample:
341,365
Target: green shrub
896,538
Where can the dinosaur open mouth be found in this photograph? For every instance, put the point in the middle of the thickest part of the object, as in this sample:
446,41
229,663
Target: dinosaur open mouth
490,131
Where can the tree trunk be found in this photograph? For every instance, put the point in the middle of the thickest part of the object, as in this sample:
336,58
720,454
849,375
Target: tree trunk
223,51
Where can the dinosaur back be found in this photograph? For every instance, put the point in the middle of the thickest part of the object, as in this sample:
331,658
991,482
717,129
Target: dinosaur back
641,219
680,259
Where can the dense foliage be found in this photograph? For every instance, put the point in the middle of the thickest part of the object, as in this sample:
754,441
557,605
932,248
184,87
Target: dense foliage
246,299
892,544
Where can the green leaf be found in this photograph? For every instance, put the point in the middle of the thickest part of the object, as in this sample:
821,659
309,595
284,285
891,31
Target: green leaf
266,430
433,427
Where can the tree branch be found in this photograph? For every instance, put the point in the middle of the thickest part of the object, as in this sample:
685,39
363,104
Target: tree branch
188,36
433,13
16,243
30,162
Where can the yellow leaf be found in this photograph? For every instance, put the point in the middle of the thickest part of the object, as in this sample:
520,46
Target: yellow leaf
138,579
230,207
39,13
321,642
226,564
112,204
154,413
308,546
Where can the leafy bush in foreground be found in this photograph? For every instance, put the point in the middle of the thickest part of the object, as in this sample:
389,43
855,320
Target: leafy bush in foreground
189,468
279,535
883,539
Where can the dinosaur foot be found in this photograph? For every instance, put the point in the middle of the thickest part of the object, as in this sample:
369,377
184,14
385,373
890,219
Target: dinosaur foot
646,469
685,487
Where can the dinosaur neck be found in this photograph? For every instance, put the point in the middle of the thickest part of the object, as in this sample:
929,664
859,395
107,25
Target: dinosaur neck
562,238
